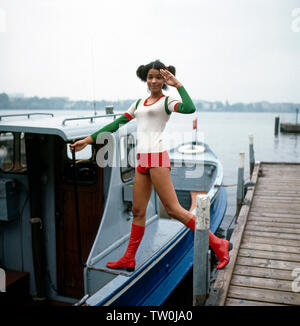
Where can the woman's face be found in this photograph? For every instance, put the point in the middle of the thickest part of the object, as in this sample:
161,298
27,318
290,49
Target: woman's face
155,81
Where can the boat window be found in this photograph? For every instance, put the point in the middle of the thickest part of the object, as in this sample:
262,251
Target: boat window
12,152
127,157
85,154
6,151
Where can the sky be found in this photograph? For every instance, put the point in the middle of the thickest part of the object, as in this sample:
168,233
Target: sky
234,50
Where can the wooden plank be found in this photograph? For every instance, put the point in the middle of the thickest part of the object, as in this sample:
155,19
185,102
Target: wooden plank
285,207
251,227
274,224
272,164
257,239
274,177
243,303
273,214
283,167
286,192
285,172
257,217
271,192
268,184
281,256
277,184
284,202
282,173
277,193
263,272
264,295
278,167
262,283
267,263
278,199
288,169
273,235
269,247
279,187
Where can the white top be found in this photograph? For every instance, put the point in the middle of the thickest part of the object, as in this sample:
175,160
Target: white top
151,122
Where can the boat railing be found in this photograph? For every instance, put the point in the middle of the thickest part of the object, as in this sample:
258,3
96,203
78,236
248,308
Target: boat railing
24,115
91,117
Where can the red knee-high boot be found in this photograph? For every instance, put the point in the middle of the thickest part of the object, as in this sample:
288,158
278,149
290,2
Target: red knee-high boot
127,262
219,246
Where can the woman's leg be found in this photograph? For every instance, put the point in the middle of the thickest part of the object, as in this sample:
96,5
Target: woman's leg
141,194
162,182
142,189
164,187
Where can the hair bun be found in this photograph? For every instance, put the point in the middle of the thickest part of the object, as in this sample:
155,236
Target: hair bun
141,72
172,69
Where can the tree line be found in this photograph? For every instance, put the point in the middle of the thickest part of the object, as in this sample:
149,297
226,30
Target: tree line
64,103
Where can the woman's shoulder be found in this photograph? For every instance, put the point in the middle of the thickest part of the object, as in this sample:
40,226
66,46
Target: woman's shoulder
171,99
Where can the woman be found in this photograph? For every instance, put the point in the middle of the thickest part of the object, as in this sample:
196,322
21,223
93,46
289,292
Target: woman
154,165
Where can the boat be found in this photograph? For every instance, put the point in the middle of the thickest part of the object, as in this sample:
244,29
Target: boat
64,216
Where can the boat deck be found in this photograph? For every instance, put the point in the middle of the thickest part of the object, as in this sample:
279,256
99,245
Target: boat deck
157,234
264,265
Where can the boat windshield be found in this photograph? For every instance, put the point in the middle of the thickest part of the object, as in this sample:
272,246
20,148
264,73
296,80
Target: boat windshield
12,152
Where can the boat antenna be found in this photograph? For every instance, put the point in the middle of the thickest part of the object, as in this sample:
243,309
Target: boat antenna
93,74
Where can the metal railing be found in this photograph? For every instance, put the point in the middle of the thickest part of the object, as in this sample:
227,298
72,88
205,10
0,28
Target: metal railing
25,114
91,117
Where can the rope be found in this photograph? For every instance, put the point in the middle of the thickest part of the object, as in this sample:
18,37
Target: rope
234,185
219,186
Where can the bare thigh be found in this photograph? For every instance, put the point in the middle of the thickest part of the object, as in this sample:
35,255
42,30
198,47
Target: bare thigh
142,189
162,182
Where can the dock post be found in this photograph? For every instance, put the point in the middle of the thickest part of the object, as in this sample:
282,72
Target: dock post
201,267
276,125
251,154
240,185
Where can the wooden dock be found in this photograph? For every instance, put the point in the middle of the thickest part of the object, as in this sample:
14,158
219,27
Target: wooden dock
264,267
290,127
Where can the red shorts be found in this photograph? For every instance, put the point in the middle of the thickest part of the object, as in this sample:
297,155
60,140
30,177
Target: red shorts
152,160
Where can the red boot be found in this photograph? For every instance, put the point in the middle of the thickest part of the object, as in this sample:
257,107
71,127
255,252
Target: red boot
127,262
221,247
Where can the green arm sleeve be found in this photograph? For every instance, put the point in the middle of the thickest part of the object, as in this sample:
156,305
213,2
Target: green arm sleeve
187,106
111,127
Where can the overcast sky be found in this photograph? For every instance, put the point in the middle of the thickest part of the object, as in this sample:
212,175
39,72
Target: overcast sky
235,50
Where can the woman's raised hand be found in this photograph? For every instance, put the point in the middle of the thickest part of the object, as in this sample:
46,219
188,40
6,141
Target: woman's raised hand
79,145
170,78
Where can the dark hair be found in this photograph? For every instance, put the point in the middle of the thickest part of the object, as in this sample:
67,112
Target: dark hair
142,71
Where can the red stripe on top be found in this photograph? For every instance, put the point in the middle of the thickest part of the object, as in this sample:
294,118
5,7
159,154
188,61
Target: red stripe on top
145,103
127,115
175,107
